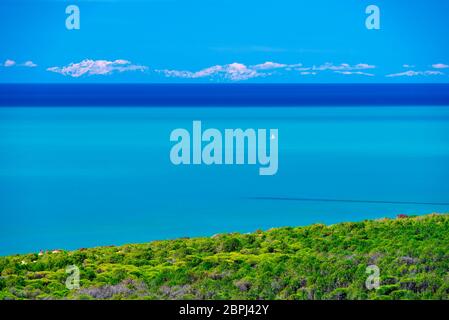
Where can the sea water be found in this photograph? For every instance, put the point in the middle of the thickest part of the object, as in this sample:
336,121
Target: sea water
74,177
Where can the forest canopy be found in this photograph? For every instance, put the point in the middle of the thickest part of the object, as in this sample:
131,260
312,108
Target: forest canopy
313,262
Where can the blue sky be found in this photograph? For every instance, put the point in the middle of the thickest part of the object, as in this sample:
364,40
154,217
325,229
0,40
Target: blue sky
224,41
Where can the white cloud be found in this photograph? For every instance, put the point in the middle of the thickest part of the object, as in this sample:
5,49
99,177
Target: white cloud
96,67
440,66
237,71
412,73
343,67
360,73
234,71
408,66
364,66
29,64
433,73
269,65
296,67
9,63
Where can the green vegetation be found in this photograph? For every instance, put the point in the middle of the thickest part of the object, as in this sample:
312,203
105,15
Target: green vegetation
314,262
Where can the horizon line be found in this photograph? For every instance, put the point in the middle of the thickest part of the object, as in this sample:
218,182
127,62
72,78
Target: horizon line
229,94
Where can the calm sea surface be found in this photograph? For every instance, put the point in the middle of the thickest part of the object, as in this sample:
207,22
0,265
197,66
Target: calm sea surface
80,177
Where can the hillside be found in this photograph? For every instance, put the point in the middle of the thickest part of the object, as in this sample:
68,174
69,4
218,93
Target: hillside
313,262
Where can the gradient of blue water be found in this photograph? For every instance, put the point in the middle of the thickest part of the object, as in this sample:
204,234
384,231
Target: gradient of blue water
81,177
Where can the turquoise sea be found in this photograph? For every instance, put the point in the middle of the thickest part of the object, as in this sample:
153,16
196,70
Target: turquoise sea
81,177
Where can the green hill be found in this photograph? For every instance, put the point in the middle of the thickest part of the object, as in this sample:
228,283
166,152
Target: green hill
313,262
